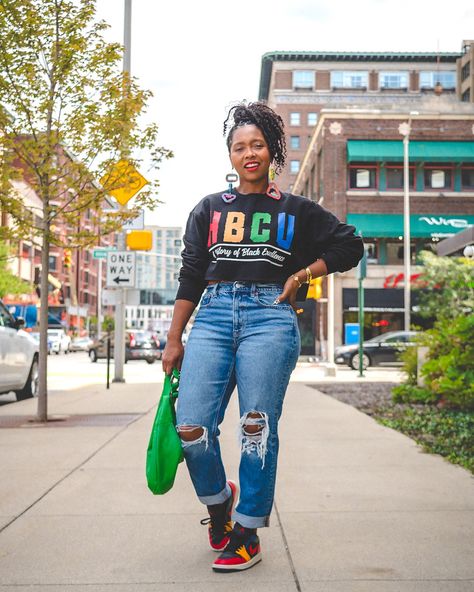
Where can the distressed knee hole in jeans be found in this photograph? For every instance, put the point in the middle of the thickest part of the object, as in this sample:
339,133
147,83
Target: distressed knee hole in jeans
191,435
253,434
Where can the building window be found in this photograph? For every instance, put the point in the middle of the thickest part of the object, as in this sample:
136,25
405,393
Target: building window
430,79
394,177
394,80
362,177
295,142
52,263
371,250
467,177
465,71
312,118
177,242
438,178
303,79
466,96
295,118
294,166
349,79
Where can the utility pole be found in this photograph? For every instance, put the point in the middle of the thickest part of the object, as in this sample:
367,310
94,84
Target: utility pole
361,274
119,340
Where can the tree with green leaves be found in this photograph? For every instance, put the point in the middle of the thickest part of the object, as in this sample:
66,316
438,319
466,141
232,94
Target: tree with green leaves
446,294
67,113
9,282
446,286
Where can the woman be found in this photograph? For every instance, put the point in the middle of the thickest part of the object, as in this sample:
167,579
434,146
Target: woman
249,250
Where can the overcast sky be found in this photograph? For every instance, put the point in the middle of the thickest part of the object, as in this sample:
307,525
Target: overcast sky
199,57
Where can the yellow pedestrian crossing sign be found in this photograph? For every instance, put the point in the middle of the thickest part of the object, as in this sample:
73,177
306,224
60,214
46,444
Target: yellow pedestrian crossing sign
123,181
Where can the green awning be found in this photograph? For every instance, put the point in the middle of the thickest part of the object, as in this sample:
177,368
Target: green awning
392,151
421,225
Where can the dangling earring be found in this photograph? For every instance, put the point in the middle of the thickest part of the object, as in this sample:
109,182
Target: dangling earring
272,189
229,195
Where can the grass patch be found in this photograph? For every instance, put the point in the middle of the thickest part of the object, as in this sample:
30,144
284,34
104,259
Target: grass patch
440,431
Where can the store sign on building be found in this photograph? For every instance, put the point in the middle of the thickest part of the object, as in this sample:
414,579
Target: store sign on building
443,225
421,225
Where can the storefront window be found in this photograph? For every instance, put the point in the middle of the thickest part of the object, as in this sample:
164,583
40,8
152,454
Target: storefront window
371,251
395,177
395,252
467,177
362,177
438,178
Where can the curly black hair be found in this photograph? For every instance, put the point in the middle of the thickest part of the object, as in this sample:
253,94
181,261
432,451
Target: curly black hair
269,123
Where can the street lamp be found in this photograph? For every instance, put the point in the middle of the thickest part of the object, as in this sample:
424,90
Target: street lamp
405,129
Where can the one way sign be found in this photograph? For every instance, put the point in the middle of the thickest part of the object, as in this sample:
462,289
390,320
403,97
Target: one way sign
120,269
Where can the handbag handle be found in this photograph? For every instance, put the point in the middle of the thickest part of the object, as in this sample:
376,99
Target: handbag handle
174,383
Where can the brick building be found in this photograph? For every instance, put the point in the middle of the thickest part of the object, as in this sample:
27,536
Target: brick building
299,84
465,73
354,167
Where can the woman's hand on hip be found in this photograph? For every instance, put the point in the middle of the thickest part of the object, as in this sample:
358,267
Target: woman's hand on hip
289,293
172,356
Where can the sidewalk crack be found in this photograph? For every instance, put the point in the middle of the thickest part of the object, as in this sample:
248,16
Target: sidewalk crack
287,549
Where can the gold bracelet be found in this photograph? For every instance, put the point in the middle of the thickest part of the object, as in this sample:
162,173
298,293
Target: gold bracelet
309,275
297,279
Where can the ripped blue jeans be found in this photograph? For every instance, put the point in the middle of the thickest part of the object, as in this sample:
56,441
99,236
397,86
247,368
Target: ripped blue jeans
240,337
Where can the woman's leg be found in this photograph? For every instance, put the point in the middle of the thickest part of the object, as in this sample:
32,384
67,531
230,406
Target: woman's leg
267,352
206,384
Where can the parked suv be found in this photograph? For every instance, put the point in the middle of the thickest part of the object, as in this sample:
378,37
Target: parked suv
18,357
60,340
139,345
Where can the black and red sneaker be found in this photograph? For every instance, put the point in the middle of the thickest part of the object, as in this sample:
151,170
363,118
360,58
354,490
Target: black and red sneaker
220,520
242,551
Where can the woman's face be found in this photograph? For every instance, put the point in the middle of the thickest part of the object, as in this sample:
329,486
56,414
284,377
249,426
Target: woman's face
249,155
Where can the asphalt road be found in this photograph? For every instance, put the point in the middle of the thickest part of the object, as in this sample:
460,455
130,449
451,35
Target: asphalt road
74,370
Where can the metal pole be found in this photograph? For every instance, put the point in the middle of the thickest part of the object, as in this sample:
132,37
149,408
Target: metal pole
330,318
127,36
108,360
99,301
406,231
119,340
361,327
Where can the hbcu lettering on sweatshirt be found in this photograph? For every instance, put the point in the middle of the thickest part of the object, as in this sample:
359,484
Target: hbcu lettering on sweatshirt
268,242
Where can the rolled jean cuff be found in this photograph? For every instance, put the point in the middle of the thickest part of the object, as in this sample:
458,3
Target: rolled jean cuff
220,497
251,521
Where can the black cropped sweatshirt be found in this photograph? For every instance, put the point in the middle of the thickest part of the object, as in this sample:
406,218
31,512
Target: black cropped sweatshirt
257,238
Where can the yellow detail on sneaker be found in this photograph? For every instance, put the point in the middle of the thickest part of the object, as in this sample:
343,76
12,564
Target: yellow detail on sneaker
242,551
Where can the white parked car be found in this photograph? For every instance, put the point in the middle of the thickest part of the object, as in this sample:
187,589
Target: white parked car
18,357
60,341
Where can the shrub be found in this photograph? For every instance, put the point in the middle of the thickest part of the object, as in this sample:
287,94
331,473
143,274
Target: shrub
410,393
449,371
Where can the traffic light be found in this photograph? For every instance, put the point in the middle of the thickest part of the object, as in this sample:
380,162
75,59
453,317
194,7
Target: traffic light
315,289
67,258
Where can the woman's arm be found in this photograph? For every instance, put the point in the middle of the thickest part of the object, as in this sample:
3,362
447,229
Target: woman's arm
317,269
174,350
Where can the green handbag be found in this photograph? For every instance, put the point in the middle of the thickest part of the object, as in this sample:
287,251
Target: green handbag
164,451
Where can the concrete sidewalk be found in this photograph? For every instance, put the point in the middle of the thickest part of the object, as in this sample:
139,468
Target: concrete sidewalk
359,508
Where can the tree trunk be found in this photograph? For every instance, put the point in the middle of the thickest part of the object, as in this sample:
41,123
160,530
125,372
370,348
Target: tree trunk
43,322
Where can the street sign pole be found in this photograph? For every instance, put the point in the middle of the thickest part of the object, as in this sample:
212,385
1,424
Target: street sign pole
119,342
99,301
